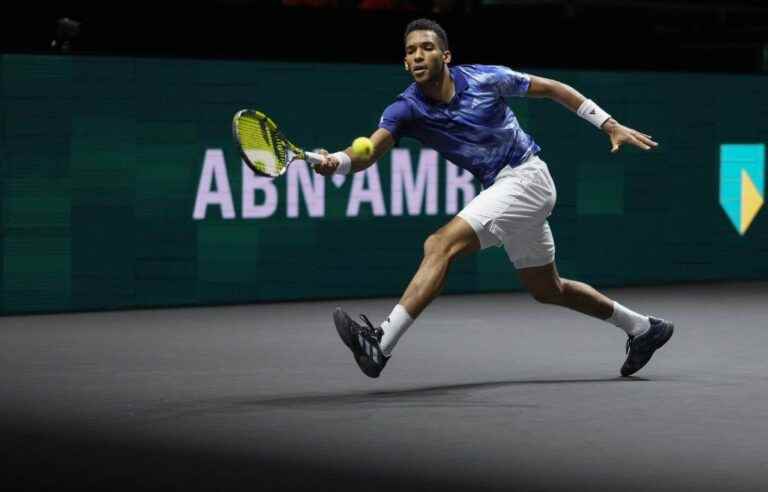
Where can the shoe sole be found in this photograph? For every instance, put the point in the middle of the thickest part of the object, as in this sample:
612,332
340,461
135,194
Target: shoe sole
664,340
342,327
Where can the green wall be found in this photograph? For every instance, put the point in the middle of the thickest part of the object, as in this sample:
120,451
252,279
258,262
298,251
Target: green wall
102,159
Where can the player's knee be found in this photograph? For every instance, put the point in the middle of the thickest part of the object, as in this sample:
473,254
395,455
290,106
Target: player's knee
437,245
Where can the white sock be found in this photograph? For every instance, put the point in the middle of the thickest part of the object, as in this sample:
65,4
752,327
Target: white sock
629,321
394,326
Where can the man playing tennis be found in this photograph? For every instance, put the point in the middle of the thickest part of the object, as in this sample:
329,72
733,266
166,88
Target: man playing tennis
461,112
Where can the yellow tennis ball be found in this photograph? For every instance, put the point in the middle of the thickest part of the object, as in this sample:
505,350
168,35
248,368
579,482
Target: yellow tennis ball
362,146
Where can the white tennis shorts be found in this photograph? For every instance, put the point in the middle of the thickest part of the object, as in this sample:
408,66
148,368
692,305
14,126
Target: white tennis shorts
513,212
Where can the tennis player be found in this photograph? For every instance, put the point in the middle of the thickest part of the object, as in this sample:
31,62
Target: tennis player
462,113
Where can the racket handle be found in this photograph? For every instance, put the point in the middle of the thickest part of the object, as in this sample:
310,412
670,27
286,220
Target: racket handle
313,159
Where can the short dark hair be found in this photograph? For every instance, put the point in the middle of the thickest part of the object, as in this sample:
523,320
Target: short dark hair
428,25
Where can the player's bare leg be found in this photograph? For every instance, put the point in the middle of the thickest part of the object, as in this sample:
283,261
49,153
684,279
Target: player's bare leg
646,334
545,285
454,239
372,346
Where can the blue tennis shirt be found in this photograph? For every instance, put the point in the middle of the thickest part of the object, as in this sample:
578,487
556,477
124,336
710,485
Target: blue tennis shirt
476,130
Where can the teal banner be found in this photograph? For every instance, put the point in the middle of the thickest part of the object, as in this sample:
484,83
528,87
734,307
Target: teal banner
121,187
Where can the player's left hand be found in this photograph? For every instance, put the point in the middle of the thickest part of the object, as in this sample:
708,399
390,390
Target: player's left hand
620,135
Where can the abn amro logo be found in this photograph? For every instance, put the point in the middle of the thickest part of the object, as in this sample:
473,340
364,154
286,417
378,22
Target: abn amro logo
742,182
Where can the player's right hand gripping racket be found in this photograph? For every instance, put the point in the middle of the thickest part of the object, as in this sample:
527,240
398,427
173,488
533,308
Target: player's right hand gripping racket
263,147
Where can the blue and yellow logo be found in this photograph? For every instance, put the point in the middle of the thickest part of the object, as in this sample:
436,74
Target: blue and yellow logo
742,182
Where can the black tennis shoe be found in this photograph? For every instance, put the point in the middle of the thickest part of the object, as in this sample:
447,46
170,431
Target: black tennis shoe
363,340
640,348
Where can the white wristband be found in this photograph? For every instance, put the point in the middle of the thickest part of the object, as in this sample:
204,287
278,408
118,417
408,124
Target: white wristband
345,163
592,113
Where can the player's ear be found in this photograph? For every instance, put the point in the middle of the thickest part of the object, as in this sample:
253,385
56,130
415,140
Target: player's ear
447,56
405,64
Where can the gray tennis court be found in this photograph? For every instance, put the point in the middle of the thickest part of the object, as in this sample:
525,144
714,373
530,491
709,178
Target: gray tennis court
485,392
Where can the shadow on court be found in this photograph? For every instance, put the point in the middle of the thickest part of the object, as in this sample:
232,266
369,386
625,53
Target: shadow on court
92,457
85,459
427,395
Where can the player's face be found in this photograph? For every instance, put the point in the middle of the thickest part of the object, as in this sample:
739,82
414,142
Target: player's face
423,56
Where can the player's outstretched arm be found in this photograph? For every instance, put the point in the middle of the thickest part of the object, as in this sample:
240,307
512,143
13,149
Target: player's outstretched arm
382,142
587,109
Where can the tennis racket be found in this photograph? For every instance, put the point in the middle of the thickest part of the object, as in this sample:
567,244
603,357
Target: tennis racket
263,147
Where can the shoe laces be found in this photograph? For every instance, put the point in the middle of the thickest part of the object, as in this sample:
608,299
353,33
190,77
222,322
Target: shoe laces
369,331
370,338
629,342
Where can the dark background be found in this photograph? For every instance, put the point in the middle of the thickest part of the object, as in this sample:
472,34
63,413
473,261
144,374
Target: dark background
706,35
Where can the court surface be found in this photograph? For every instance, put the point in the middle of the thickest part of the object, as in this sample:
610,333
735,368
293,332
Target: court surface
485,392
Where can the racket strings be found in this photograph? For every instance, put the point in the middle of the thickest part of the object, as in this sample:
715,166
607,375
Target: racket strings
278,143
257,135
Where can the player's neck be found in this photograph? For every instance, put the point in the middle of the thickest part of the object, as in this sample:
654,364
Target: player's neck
441,90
